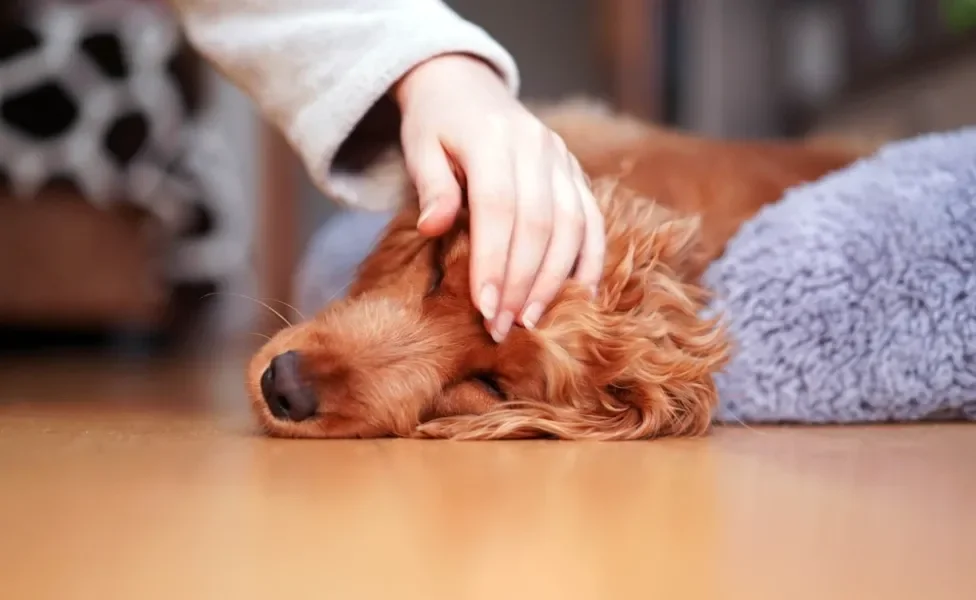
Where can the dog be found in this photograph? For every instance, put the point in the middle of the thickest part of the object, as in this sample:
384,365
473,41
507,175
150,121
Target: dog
406,354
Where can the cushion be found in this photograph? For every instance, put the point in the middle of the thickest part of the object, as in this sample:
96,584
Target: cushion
853,299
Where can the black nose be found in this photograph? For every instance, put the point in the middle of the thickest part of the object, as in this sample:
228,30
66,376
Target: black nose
285,391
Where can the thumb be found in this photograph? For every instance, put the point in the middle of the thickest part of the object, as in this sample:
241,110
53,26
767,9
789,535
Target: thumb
437,187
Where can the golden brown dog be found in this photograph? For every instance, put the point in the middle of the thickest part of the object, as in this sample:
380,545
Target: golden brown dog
406,353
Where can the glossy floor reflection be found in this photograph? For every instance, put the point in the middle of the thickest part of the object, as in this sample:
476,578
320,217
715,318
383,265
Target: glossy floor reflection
147,481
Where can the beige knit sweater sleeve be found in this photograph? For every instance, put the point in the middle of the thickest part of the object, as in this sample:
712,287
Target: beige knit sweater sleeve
315,67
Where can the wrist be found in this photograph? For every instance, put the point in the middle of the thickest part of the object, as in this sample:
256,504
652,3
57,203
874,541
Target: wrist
443,72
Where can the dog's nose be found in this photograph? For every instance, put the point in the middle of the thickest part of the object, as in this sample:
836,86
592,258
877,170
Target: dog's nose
285,391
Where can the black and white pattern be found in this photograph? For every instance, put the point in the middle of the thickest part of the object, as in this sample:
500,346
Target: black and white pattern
89,96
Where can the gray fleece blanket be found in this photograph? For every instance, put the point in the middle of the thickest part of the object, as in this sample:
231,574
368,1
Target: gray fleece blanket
853,299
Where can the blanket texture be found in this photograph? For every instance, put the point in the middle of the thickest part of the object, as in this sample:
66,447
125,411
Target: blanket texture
853,299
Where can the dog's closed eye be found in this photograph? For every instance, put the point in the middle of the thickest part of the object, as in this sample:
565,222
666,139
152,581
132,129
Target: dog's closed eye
436,277
490,383
436,269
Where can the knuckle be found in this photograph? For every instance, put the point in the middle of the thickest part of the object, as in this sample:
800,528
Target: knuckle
547,290
520,287
487,263
537,130
555,272
537,226
498,200
493,133
519,279
549,283
495,202
516,292
434,190
571,216
579,227
495,124
484,270
576,222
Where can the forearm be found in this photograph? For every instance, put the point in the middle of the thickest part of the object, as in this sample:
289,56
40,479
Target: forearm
315,67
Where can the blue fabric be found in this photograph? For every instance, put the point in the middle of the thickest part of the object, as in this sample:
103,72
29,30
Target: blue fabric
333,255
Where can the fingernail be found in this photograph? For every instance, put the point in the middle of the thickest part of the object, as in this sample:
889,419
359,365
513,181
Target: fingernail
488,301
530,316
425,214
593,291
502,325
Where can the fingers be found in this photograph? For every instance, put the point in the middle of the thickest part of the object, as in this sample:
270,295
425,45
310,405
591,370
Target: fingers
589,267
534,212
568,229
491,201
529,230
437,186
533,218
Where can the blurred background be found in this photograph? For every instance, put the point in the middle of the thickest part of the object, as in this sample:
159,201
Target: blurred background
143,202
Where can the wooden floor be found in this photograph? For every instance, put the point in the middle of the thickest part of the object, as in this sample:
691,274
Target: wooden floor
141,481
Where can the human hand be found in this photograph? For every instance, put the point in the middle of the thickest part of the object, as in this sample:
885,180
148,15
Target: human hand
533,217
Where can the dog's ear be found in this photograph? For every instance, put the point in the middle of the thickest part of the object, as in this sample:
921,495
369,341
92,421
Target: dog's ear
635,363
638,373
646,345
641,358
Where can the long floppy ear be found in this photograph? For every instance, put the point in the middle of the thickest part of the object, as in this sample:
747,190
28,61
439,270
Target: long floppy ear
638,362
646,349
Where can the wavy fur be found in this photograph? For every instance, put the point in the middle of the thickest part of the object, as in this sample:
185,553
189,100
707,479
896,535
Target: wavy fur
397,358
636,363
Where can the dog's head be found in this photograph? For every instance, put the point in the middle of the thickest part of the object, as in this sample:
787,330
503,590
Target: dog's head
407,353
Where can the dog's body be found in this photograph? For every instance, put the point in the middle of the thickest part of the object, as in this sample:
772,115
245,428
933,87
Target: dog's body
406,354
723,182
